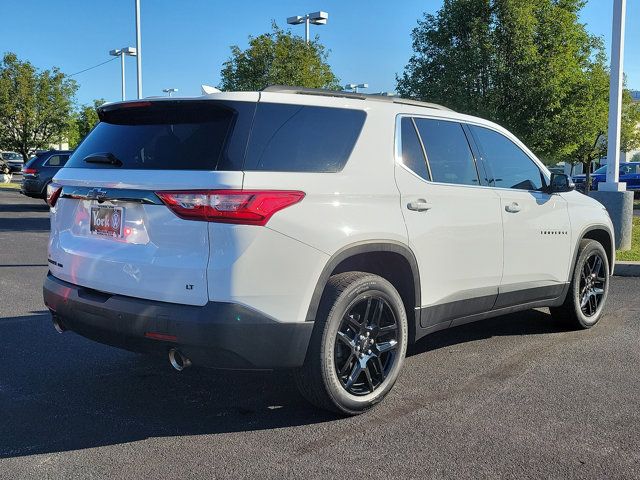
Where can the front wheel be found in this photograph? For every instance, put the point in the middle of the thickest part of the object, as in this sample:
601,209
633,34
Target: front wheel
589,287
358,344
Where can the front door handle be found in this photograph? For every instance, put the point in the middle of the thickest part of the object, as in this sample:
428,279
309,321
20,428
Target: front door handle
419,205
513,207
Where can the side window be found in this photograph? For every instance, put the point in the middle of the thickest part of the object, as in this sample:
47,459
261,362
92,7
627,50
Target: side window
54,161
63,159
509,165
411,149
297,138
448,152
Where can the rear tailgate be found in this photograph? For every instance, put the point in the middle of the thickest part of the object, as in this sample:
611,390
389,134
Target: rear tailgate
111,232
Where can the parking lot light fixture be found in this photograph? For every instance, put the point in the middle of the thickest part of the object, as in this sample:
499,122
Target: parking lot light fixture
316,18
121,52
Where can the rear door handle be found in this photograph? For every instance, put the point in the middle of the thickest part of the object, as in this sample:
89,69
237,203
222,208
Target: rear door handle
513,207
419,205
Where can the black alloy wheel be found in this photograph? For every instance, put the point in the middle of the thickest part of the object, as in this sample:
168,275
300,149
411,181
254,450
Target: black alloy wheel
593,279
366,345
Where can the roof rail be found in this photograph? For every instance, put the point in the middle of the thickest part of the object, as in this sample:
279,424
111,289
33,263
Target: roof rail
356,96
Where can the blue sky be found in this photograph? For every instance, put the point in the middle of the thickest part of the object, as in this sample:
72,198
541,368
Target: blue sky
185,42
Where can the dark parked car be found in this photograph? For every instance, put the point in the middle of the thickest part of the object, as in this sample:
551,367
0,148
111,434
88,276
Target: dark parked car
38,172
629,173
14,160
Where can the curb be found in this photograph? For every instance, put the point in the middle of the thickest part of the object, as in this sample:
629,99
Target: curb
627,269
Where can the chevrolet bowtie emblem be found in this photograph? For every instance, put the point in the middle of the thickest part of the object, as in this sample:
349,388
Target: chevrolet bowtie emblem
96,194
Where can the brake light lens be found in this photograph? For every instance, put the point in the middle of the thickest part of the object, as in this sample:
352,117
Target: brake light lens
29,171
246,207
53,192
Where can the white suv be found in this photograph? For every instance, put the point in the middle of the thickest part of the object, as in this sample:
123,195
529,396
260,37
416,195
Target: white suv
314,230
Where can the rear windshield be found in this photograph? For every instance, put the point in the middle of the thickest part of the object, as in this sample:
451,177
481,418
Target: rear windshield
207,135
168,136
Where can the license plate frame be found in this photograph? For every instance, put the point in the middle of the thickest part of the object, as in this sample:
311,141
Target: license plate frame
107,221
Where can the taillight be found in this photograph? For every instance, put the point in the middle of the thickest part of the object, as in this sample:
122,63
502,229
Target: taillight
53,192
29,171
248,207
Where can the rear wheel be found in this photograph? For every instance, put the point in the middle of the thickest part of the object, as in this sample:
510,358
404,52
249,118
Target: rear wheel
589,287
358,344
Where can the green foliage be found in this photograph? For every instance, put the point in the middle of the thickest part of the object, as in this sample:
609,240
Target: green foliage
82,122
526,64
632,255
35,106
630,128
277,58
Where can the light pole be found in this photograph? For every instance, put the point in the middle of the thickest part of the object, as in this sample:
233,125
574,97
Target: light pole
613,194
169,90
138,49
615,98
121,52
317,18
355,86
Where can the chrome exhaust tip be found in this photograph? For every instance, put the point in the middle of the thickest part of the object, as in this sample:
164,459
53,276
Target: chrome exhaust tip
57,324
177,360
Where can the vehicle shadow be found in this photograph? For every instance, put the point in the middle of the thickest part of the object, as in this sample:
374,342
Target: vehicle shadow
63,392
25,224
40,206
528,322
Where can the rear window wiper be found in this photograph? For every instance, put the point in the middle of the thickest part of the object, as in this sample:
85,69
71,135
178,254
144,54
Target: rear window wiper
107,158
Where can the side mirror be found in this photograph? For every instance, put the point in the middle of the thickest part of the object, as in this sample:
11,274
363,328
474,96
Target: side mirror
560,183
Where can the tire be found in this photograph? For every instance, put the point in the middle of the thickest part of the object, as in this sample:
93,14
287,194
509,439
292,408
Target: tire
590,284
361,321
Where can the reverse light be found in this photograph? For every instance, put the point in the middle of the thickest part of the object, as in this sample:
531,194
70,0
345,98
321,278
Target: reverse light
246,207
53,192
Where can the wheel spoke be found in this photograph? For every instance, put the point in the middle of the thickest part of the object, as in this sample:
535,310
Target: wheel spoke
346,365
597,263
586,270
369,379
388,328
352,320
380,368
344,338
353,376
387,346
365,319
377,313
585,300
593,304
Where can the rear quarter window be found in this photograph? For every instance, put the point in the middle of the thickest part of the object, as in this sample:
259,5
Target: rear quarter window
56,161
300,138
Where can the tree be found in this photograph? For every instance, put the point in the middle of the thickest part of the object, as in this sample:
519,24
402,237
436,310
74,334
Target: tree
35,106
630,127
529,65
629,135
277,58
82,122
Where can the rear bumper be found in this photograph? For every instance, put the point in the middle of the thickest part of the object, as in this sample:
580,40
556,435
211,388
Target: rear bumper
32,187
218,335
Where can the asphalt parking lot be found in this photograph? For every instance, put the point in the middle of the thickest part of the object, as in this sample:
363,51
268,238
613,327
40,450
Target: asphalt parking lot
513,397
